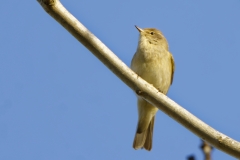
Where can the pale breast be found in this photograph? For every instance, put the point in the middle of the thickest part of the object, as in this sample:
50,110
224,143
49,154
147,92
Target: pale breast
156,69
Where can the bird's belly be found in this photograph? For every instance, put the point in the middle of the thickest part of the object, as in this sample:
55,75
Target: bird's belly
157,73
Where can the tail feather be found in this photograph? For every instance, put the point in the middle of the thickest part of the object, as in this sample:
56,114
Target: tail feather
148,141
144,139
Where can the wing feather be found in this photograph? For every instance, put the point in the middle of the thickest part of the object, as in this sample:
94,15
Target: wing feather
173,68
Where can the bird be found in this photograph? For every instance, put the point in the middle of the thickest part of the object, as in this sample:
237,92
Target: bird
155,64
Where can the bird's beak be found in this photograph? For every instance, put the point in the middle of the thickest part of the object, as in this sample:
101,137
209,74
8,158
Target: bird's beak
139,29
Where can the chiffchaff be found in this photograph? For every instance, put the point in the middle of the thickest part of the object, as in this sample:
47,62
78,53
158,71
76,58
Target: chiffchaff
154,63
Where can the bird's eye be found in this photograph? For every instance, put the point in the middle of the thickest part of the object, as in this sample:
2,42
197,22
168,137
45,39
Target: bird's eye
151,33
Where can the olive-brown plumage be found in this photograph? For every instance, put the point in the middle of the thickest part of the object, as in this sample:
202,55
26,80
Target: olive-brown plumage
154,63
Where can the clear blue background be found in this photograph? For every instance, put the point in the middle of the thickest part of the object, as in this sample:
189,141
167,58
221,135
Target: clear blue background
58,101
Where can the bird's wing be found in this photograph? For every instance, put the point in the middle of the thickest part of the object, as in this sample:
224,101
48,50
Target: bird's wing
173,68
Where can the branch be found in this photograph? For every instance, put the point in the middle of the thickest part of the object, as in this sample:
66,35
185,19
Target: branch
207,150
148,92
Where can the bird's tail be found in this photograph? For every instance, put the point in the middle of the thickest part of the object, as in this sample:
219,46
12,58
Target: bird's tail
143,139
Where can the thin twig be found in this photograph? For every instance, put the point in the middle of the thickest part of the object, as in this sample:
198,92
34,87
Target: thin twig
207,150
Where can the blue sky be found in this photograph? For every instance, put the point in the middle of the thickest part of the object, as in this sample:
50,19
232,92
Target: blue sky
58,101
